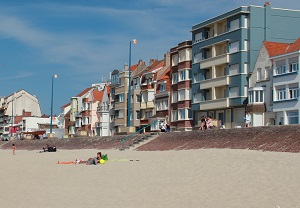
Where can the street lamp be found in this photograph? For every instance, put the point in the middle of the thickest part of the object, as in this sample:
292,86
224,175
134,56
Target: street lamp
53,77
134,41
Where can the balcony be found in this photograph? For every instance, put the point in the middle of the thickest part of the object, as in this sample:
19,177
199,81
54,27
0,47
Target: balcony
214,104
103,108
119,106
143,106
86,113
120,121
150,104
216,82
120,90
214,61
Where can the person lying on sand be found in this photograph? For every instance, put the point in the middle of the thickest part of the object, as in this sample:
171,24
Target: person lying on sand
90,161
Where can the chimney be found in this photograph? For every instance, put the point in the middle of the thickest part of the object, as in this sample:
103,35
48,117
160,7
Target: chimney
167,59
267,4
125,67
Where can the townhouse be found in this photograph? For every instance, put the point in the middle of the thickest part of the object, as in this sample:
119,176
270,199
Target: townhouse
225,49
286,81
181,68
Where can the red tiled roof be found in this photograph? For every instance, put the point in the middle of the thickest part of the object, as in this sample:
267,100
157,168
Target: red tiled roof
275,48
98,95
164,77
66,105
84,91
294,46
133,67
108,89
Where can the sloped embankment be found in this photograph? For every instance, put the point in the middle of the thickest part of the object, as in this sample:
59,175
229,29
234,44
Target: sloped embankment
267,138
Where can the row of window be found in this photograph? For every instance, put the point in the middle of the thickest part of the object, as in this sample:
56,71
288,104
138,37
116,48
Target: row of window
182,75
180,95
287,93
162,105
182,114
293,67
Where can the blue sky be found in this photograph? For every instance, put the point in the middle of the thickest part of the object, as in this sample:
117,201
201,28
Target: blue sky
83,40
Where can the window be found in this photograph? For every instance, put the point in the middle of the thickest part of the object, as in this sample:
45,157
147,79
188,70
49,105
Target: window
121,114
246,22
234,69
197,57
138,115
190,113
280,70
174,78
234,24
293,67
174,97
174,60
259,96
115,78
121,98
233,91
281,95
181,114
198,37
182,75
246,45
234,47
197,77
181,94
162,88
121,81
293,93
138,98
131,115
166,104
148,114
158,105
174,115
293,117
182,56
197,97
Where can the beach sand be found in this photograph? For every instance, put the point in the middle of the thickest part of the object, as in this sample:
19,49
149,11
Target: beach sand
192,178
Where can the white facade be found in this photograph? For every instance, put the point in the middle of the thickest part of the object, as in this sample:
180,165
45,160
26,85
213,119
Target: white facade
286,80
260,99
30,124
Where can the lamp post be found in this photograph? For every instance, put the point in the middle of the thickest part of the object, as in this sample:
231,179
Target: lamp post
53,77
134,41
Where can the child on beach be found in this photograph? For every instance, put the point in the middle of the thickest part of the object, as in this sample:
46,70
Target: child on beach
14,149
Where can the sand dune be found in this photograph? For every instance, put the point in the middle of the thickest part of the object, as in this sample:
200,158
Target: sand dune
189,178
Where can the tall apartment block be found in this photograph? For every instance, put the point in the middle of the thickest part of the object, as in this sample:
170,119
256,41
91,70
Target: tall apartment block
225,49
181,68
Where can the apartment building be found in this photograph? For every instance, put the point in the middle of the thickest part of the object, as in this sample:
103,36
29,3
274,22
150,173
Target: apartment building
148,86
181,68
162,99
14,106
225,49
286,81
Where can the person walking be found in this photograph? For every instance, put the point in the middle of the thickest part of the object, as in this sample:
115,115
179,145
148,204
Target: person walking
14,149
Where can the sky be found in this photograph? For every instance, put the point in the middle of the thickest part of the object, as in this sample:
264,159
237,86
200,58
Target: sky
82,41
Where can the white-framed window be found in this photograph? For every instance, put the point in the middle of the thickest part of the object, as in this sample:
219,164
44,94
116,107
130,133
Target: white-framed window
198,37
174,78
174,97
115,78
138,98
280,70
197,77
181,95
234,24
175,60
174,115
281,94
181,114
234,69
293,93
182,75
166,104
182,55
121,114
246,22
234,47
197,97
121,97
197,57
293,117
233,92
158,105
293,67
162,87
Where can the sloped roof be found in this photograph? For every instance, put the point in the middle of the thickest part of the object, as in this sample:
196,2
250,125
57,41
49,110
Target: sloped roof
133,67
275,48
66,105
84,91
164,77
97,95
294,46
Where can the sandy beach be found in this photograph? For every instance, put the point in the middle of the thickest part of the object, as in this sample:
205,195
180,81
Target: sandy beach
189,178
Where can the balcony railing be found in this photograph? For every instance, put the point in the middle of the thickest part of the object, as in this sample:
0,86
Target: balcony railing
103,108
214,104
214,61
215,82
